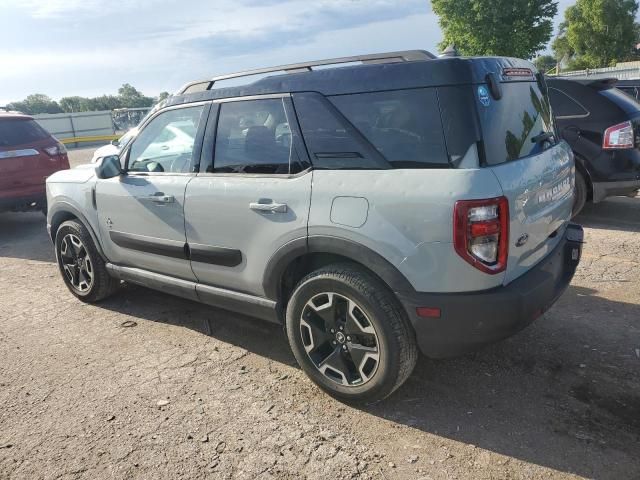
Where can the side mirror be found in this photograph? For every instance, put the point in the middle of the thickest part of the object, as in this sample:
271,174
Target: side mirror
109,167
115,143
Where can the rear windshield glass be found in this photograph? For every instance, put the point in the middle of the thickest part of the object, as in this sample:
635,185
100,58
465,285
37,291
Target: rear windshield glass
622,100
510,124
404,125
20,132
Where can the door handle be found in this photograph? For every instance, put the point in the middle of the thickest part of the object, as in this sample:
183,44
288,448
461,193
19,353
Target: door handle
160,197
268,207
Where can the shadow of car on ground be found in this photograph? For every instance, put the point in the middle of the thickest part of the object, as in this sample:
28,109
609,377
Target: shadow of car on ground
24,235
616,213
545,396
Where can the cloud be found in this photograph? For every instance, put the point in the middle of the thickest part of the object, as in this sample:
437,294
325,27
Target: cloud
299,24
90,47
43,9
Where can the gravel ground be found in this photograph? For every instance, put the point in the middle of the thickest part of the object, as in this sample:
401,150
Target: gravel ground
149,386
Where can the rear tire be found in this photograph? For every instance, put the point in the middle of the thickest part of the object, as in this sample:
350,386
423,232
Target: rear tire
349,334
82,268
580,194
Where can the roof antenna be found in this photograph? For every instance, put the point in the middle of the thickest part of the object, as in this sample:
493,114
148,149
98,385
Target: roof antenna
450,51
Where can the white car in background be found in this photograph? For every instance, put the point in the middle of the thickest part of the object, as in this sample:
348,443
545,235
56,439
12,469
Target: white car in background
115,146
176,139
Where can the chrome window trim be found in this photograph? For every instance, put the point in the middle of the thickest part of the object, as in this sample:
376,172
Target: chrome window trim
266,96
257,175
25,152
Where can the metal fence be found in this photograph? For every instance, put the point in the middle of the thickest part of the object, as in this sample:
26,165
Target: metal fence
622,71
74,128
91,128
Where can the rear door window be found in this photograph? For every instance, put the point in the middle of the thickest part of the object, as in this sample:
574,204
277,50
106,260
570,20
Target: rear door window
254,136
510,124
403,125
16,132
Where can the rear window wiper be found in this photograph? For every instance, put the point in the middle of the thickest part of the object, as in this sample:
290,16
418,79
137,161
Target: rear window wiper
542,137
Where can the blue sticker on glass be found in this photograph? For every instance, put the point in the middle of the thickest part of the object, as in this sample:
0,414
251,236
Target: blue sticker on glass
483,95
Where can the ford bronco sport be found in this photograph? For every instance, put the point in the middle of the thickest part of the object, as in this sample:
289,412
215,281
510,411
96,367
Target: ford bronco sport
376,209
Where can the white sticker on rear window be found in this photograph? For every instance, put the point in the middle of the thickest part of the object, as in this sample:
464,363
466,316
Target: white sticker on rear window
483,95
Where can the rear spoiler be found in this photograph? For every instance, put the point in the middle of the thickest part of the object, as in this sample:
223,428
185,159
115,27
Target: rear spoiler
598,84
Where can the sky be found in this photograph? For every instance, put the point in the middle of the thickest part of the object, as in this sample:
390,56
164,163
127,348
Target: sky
91,47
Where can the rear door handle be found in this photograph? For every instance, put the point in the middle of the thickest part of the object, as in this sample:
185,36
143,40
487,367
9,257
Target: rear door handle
160,197
268,207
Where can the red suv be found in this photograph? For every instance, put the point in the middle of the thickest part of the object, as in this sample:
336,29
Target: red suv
28,155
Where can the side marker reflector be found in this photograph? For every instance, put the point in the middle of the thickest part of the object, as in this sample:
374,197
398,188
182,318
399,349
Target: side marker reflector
428,312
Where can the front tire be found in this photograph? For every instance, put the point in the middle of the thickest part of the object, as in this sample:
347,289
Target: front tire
82,268
349,334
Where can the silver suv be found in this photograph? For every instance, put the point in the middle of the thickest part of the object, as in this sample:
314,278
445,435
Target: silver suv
396,204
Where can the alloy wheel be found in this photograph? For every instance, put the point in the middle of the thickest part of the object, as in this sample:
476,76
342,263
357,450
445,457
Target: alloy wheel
339,339
76,263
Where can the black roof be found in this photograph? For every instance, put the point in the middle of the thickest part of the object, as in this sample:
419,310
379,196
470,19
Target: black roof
367,77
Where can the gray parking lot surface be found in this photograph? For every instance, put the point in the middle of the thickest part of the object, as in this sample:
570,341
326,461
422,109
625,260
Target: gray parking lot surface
145,385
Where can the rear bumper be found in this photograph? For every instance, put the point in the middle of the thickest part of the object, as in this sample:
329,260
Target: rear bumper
602,190
23,203
469,321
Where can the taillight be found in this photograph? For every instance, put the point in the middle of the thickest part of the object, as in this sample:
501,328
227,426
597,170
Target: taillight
481,233
618,136
57,149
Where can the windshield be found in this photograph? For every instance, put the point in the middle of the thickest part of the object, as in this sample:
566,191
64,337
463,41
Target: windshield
126,138
514,127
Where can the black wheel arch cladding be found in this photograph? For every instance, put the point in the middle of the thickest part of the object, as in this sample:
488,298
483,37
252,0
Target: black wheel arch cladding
320,244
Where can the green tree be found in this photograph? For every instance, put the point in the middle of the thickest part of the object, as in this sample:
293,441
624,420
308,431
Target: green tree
597,33
517,28
162,96
74,104
544,63
35,104
107,102
130,97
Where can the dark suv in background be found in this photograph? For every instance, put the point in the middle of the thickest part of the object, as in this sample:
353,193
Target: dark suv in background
28,155
602,125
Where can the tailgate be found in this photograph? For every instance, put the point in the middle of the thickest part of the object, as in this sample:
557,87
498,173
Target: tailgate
540,193
536,174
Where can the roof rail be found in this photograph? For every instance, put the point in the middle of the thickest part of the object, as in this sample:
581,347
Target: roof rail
390,57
